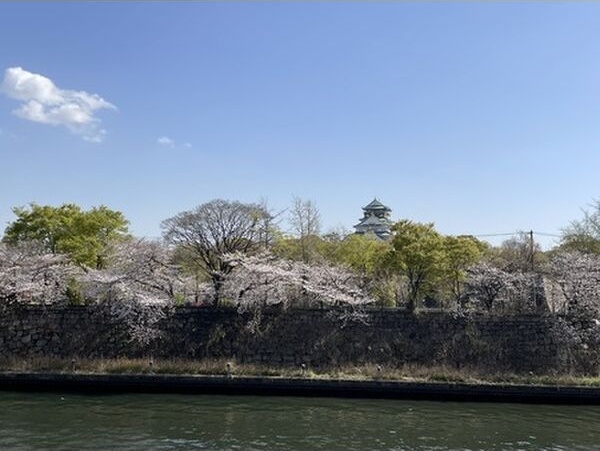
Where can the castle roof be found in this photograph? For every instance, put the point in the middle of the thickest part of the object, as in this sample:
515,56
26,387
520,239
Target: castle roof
376,205
372,221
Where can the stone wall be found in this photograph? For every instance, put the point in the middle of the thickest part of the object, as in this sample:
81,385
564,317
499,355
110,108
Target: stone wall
318,338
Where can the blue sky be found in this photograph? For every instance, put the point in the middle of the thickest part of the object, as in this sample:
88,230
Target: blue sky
482,118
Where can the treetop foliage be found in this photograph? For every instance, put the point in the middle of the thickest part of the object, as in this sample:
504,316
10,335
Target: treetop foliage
67,229
583,235
217,228
229,251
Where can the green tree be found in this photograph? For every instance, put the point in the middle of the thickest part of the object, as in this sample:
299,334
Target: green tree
417,252
292,248
365,255
461,253
362,253
85,236
517,254
322,248
583,235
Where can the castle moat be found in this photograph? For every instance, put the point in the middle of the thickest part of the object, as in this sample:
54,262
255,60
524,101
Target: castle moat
55,421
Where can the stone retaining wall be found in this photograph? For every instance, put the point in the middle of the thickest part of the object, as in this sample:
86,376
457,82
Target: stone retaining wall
318,338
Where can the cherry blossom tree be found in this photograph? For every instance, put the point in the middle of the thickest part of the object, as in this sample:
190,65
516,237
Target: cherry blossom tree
215,229
578,277
263,280
138,270
489,287
29,274
137,289
577,326
266,280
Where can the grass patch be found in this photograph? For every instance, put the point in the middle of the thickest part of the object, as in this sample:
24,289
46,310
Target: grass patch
223,367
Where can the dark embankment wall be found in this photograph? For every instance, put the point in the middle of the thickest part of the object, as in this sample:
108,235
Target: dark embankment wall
153,383
314,337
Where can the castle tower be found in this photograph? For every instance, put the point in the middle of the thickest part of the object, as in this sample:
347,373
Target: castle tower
376,219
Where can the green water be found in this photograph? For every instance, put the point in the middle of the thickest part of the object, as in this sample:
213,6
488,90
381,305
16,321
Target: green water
182,422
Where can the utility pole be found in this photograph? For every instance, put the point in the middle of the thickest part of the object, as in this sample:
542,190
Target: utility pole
531,249
531,253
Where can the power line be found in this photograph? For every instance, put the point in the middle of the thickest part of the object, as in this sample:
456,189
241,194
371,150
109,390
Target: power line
547,234
483,235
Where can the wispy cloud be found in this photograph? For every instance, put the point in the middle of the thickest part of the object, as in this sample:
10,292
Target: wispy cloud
166,141
44,102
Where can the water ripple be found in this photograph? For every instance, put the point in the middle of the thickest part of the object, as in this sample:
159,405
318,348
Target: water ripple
219,423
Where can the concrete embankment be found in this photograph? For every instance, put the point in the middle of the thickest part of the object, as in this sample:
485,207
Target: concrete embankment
223,385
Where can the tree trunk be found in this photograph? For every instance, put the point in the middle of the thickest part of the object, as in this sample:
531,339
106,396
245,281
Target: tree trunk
217,281
411,305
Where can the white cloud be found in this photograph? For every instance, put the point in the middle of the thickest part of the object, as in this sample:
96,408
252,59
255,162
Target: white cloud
166,141
46,103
